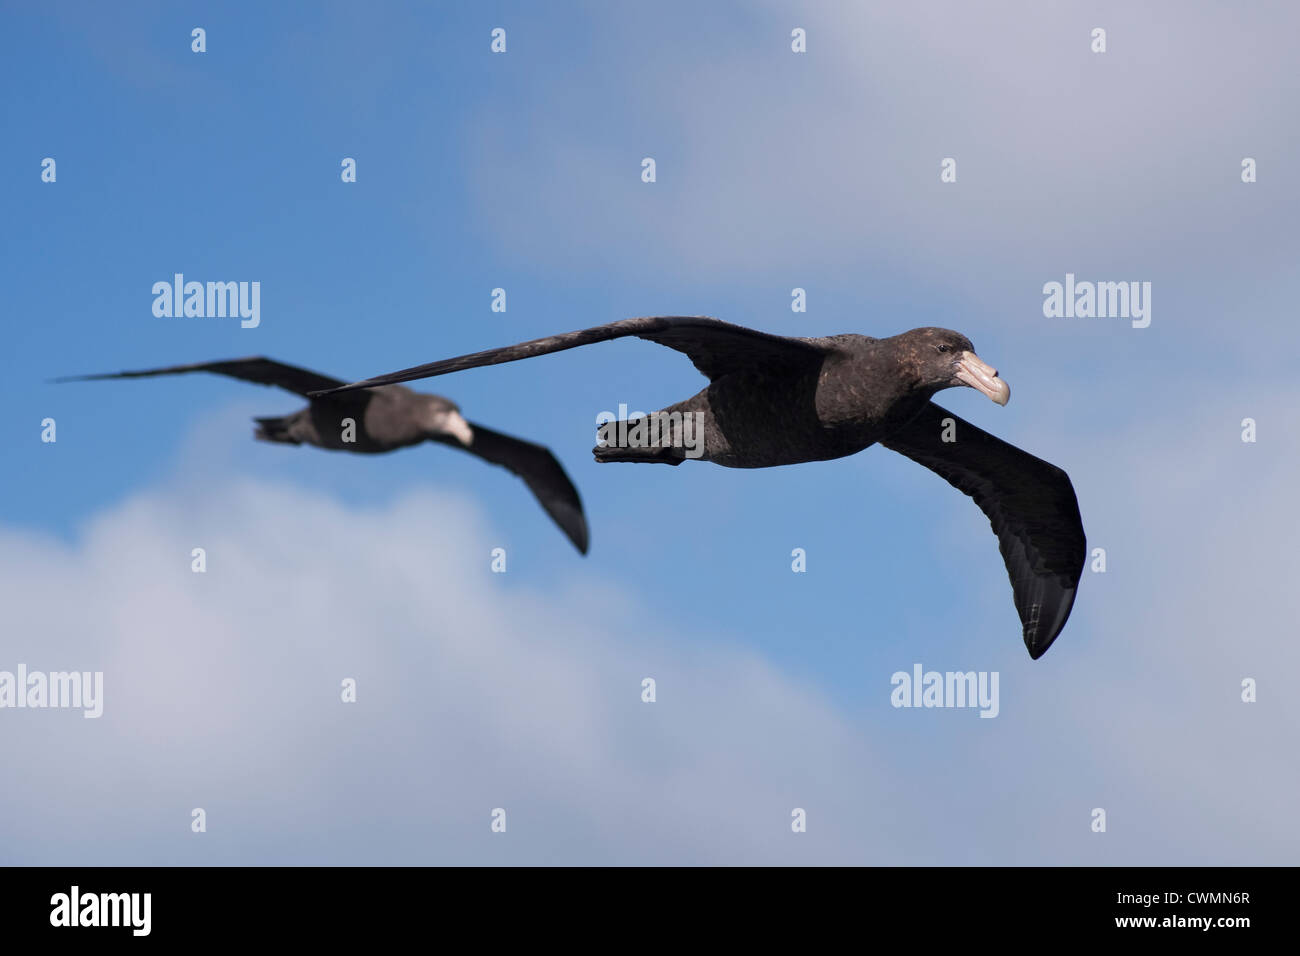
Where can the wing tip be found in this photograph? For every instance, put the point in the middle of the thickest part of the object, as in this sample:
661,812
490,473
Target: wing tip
1039,638
350,387
578,533
62,379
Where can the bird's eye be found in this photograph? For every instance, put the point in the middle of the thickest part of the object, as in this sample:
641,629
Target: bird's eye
941,348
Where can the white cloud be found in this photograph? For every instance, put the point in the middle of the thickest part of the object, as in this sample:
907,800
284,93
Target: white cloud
475,691
773,164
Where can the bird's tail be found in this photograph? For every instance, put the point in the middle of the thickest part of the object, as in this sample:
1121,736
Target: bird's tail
275,429
614,448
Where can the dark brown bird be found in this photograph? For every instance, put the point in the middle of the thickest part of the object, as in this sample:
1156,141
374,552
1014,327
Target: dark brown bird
385,419
775,400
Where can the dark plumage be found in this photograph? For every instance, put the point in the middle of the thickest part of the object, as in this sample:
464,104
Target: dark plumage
774,400
389,418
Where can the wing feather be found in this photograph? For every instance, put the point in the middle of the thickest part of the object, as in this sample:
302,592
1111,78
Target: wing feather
715,347
256,369
1029,502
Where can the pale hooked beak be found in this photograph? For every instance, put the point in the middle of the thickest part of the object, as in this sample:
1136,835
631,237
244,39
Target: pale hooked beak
457,427
973,372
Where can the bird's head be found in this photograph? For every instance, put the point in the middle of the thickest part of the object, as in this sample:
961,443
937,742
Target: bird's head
942,358
441,418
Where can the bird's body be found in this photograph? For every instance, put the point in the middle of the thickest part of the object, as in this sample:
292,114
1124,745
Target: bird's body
814,411
384,419
778,400
378,420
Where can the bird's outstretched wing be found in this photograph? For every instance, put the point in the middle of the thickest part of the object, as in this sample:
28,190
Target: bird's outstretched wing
262,371
539,469
1030,503
714,346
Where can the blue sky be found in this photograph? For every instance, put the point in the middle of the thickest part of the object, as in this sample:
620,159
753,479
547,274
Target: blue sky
522,171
